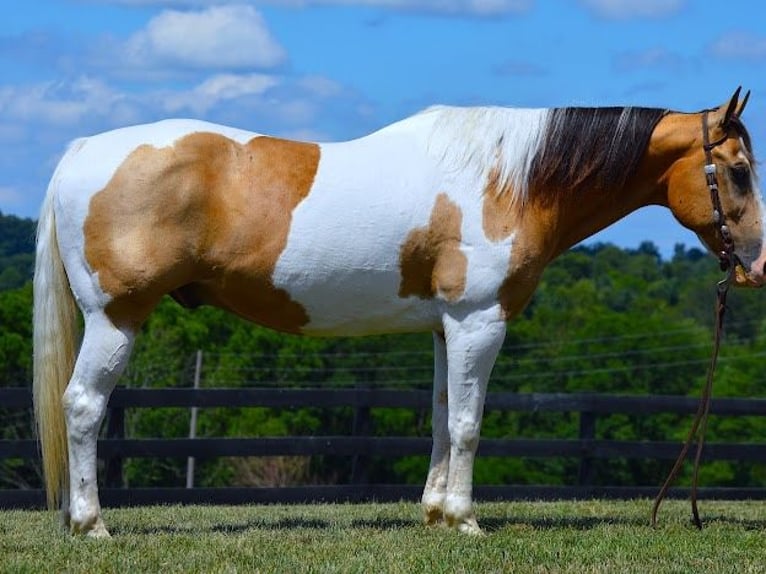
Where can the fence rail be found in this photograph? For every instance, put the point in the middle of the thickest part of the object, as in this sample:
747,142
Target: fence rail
586,447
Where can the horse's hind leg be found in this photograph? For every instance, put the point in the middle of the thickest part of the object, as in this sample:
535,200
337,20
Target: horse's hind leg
103,355
436,483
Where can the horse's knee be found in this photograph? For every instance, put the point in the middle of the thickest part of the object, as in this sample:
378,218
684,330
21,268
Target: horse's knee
102,358
464,434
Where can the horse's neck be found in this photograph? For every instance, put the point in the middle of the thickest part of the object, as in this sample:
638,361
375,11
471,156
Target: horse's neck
582,214
574,217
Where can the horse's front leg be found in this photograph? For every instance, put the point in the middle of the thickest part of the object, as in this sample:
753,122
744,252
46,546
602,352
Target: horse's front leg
436,483
473,342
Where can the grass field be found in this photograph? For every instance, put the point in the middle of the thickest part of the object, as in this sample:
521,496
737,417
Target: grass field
587,536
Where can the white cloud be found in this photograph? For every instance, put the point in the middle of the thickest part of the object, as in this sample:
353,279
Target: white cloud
219,37
62,103
255,101
742,45
230,86
627,9
217,89
321,86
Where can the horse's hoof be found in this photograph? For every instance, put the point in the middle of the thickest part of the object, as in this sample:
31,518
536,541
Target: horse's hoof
91,529
470,527
99,531
466,525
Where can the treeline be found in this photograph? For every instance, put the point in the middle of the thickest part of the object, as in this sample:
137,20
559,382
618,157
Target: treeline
604,319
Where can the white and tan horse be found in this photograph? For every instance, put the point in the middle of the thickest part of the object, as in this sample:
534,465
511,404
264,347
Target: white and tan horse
441,222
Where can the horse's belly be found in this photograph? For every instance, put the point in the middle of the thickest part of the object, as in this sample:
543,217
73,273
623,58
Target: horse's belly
354,301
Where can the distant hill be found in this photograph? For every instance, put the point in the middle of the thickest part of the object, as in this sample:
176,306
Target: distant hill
17,250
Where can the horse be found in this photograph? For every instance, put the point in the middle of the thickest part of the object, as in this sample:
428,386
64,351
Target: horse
441,222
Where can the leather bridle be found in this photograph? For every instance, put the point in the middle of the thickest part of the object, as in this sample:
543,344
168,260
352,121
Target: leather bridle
727,260
726,257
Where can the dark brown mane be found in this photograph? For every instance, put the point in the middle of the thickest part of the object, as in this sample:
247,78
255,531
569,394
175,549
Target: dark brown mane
591,148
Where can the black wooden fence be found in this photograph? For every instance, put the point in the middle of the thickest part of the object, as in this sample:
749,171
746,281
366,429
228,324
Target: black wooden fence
114,448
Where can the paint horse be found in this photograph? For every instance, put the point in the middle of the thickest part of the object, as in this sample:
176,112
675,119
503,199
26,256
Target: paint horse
441,222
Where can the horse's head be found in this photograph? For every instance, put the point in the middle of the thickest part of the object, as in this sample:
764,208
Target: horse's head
712,187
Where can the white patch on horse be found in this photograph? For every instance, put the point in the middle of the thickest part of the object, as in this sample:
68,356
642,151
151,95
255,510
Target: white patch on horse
349,229
349,202
489,138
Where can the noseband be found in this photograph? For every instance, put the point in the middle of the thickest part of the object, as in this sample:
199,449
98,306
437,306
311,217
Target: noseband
727,260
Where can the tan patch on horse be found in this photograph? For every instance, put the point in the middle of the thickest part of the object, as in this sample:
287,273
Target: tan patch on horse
430,259
503,216
204,220
497,216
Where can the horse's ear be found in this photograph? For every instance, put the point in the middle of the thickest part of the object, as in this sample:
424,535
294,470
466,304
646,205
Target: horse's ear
742,104
731,107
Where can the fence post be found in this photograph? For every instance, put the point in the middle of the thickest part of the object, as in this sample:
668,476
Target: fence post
587,434
193,421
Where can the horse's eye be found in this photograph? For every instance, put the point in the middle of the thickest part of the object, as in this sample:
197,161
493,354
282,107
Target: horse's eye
740,175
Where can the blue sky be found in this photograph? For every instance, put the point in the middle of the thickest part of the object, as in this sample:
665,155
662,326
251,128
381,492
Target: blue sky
336,69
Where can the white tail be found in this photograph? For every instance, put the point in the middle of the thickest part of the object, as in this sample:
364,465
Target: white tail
55,335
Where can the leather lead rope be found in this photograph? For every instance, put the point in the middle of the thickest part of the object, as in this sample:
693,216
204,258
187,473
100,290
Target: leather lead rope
727,261
699,426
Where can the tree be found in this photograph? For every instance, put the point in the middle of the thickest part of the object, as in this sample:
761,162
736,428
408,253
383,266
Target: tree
16,371
17,245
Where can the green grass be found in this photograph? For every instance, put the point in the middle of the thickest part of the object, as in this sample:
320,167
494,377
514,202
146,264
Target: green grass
587,536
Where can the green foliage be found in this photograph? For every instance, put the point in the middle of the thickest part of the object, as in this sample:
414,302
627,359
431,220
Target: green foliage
604,319
17,245
16,370
16,336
